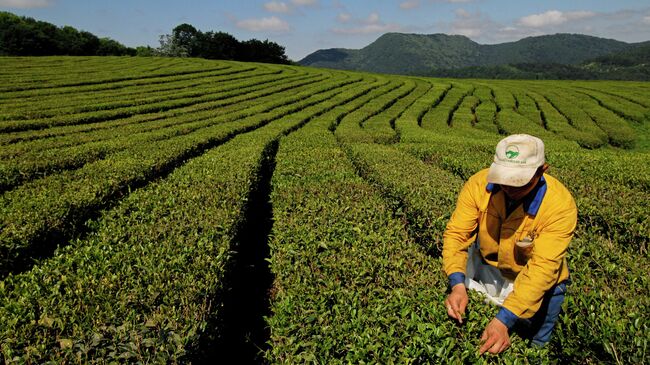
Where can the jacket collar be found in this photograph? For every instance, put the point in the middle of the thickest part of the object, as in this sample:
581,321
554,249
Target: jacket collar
532,201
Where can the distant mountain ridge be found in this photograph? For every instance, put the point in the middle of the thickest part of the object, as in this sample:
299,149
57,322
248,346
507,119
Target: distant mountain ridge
422,54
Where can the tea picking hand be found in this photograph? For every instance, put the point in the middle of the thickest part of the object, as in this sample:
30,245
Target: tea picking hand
495,338
456,302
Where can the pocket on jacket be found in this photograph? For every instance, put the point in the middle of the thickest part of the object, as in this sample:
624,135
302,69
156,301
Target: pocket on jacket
523,251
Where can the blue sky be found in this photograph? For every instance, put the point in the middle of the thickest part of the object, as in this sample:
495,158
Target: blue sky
304,26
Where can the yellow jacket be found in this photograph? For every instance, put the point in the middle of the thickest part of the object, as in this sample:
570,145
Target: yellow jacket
548,216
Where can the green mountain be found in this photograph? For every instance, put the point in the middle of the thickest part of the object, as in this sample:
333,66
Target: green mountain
420,54
630,64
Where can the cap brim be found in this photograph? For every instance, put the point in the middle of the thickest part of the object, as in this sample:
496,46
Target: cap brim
510,176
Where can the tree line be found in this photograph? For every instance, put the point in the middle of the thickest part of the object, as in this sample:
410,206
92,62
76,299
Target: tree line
187,41
23,36
604,68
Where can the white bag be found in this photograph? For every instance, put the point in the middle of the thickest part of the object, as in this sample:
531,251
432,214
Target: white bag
485,278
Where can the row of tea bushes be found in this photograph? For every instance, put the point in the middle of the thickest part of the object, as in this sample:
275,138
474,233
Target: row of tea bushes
147,284
36,213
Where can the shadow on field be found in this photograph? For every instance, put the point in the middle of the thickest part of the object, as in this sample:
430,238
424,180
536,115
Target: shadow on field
81,220
241,333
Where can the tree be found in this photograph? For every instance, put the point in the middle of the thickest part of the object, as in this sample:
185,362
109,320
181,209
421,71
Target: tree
185,36
169,47
90,43
218,45
22,36
145,51
263,51
109,47
187,41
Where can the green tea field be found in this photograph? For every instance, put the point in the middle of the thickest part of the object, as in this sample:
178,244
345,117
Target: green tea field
174,210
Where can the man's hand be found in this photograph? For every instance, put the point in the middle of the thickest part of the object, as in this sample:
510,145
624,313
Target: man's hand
495,337
456,302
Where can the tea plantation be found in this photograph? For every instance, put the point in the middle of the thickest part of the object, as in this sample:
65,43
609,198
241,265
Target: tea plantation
168,210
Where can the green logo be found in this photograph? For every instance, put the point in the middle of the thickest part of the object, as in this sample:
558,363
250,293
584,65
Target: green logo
512,151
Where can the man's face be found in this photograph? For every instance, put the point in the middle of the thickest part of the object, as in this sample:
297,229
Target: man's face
516,193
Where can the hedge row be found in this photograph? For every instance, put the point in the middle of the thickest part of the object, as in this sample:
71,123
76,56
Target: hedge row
38,163
31,109
117,86
465,116
557,123
380,100
111,114
526,106
148,283
380,125
615,210
577,117
24,101
440,116
135,69
35,215
486,111
628,105
219,100
350,285
620,134
33,141
418,191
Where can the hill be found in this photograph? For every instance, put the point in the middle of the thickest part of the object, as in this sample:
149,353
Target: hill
632,64
419,54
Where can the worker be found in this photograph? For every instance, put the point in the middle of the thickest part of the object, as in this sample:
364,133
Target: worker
507,239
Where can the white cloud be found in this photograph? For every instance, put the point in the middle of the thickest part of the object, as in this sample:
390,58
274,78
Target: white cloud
25,4
471,24
304,2
369,29
629,25
285,8
372,24
410,4
553,17
469,32
373,18
277,7
462,13
273,24
344,17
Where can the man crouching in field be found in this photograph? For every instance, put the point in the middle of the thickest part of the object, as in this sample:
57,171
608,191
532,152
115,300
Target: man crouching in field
508,238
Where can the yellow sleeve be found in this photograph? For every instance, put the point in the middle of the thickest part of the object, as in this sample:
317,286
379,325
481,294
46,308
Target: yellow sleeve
460,231
543,268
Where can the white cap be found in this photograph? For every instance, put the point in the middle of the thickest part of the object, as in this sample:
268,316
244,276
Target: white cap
516,159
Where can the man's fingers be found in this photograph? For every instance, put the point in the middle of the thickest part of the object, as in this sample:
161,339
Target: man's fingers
461,307
488,344
455,307
496,348
493,346
451,311
454,314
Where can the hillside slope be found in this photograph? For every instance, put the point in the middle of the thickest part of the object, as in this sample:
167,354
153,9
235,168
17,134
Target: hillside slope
632,64
419,54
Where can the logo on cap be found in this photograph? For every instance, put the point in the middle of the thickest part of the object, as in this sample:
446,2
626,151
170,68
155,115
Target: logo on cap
512,151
